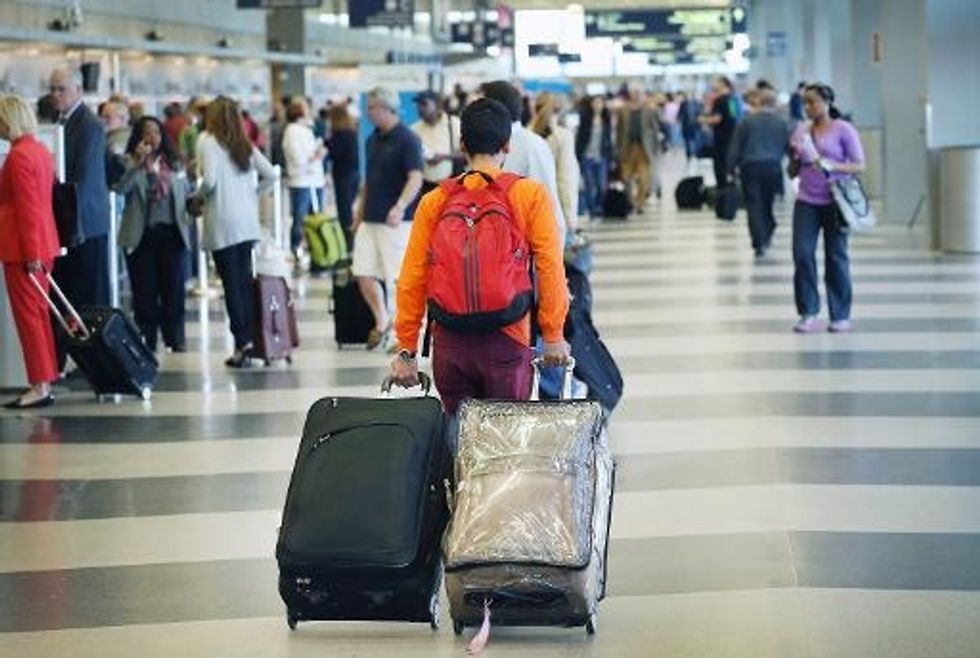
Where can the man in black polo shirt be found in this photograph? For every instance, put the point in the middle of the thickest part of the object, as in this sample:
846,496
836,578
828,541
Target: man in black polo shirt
722,119
383,220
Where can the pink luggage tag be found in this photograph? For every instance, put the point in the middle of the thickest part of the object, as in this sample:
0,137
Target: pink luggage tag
480,640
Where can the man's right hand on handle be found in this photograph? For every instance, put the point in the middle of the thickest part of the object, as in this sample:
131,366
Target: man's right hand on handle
555,354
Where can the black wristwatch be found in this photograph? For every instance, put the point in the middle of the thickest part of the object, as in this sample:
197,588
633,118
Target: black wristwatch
406,356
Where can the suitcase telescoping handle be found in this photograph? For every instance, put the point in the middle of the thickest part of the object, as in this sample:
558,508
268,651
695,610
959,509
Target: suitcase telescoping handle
566,380
425,383
79,327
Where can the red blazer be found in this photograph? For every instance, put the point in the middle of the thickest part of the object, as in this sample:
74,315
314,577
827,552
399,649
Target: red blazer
27,228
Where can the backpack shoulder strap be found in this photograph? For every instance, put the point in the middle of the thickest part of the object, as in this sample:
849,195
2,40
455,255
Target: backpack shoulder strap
505,180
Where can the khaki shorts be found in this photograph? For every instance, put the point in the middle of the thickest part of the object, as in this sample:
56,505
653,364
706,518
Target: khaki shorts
379,250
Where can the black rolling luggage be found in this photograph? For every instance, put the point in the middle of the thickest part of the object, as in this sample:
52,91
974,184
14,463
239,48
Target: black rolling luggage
726,202
106,346
352,317
616,203
365,512
690,193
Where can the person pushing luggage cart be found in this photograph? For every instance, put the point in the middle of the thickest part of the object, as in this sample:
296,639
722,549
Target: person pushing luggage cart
468,264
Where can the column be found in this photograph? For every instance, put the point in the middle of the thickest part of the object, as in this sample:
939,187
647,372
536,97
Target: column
288,27
903,94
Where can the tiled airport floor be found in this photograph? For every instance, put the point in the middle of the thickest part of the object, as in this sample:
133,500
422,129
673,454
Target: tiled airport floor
779,496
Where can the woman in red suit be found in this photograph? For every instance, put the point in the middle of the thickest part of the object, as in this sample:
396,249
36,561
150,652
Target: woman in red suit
28,244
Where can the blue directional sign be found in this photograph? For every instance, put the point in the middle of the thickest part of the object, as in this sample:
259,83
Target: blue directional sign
381,13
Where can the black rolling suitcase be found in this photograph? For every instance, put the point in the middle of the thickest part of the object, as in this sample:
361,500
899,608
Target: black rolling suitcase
106,346
365,512
726,202
352,317
690,193
616,203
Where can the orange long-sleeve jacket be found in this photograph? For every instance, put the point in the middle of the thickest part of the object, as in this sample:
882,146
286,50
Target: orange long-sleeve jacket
535,217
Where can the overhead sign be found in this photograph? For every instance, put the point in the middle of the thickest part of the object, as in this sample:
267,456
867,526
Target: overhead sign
279,4
777,44
478,34
666,22
381,13
714,47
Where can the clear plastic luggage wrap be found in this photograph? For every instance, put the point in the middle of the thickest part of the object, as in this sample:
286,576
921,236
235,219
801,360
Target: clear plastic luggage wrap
533,488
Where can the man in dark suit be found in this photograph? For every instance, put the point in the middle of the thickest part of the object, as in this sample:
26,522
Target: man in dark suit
83,273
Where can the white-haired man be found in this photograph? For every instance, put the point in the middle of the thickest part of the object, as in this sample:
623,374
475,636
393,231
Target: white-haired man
390,193
83,273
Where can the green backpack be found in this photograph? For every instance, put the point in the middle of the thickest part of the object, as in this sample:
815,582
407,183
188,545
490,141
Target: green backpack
327,242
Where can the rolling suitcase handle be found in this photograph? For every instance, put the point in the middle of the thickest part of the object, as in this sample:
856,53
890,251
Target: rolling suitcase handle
425,383
566,382
64,302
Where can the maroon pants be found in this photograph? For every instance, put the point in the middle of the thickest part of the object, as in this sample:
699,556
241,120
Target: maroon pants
490,366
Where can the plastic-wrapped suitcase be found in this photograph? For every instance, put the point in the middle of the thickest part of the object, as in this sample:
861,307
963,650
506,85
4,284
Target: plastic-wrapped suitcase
276,330
532,504
365,512
106,346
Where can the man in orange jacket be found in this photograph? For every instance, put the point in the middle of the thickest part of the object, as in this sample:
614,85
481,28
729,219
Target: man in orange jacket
495,364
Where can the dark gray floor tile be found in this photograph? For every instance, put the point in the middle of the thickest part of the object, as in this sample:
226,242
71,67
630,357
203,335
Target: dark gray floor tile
760,405
107,428
610,329
227,589
687,301
47,500
837,360
910,561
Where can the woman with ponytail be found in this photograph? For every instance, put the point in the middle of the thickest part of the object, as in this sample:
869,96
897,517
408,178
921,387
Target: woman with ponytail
825,148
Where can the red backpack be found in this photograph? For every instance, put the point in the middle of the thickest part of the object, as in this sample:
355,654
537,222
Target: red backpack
479,260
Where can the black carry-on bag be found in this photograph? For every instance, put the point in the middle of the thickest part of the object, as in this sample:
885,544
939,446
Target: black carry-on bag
690,193
594,364
727,200
105,345
352,317
532,505
365,512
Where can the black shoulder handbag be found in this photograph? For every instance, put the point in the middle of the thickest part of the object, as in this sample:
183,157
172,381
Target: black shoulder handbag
64,202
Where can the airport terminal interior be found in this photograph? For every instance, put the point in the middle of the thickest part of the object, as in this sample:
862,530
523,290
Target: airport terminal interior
786,486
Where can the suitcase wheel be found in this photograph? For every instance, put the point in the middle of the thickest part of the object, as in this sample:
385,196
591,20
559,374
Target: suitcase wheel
458,627
590,625
289,360
291,621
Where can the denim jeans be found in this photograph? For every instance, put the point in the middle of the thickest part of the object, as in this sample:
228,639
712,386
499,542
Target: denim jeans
234,265
808,220
301,204
595,173
760,183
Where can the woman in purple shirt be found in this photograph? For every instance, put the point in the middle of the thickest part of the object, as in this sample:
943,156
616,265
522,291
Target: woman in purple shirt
826,148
